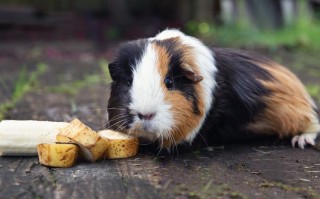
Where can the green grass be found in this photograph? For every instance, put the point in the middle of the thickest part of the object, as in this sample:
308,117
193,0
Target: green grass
303,34
314,91
24,83
29,81
74,87
104,66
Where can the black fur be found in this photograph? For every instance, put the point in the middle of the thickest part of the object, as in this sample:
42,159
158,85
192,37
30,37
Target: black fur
128,55
119,114
238,95
121,73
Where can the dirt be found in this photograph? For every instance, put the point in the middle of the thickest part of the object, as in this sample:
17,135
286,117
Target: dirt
252,170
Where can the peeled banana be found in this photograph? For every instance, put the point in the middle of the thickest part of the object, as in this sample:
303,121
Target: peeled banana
20,138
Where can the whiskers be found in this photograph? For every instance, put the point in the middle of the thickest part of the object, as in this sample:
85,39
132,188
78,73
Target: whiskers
122,109
160,148
167,141
120,122
105,109
119,116
173,144
203,138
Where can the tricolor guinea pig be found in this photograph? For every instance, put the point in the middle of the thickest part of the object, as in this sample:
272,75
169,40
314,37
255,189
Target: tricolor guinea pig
171,88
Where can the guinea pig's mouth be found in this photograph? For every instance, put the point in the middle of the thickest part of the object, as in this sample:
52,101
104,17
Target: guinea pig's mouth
130,124
161,138
145,130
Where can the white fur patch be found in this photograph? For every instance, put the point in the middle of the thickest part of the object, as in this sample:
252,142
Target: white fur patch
310,134
147,96
304,139
206,65
169,33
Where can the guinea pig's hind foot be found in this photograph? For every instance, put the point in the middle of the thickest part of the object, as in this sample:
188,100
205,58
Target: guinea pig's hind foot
304,139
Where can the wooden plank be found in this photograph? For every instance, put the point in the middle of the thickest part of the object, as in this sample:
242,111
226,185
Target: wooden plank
24,177
253,172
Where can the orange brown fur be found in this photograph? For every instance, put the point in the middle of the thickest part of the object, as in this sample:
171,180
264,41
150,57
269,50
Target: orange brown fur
289,108
184,117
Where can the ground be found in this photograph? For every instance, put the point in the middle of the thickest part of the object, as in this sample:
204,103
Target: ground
69,79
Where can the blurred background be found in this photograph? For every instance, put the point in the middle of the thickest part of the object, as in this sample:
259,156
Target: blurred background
225,22
52,50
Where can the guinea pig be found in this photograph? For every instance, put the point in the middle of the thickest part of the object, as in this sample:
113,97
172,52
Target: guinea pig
171,88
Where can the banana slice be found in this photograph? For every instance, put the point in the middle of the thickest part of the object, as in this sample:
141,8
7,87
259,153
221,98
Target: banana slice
121,145
92,146
58,155
20,138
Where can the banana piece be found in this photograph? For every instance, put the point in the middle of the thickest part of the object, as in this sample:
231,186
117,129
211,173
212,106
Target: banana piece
92,146
58,155
20,138
121,145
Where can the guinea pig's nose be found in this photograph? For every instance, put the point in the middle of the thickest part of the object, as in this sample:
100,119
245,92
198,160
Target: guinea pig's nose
147,116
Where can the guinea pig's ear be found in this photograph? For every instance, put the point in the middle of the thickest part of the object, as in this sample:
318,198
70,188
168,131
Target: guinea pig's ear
190,73
113,69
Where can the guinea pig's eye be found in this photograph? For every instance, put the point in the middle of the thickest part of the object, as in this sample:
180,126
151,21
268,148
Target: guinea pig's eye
168,82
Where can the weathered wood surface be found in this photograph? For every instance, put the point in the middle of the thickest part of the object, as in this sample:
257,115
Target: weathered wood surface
229,172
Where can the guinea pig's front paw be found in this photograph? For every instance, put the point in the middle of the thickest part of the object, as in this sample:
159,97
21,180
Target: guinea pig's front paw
304,139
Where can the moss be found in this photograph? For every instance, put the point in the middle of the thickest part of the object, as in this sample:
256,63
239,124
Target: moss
209,190
237,195
307,190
